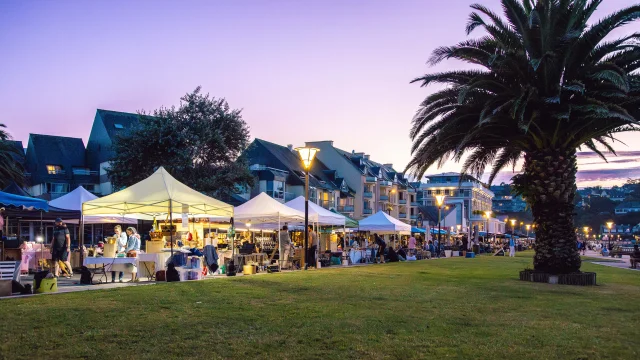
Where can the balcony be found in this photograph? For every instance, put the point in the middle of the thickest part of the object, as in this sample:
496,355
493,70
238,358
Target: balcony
411,190
403,215
402,201
384,197
367,195
346,209
84,172
280,195
385,183
327,204
367,211
56,172
415,203
370,179
414,217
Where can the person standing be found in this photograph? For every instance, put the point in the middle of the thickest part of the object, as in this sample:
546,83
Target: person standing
60,247
285,246
412,245
1,222
133,248
512,248
313,247
381,246
121,242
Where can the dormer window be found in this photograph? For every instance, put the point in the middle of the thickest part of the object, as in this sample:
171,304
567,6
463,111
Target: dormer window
118,126
54,169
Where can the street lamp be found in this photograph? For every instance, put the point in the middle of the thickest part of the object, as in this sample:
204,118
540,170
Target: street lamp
513,228
586,232
306,155
439,202
609,225
486,230
528,228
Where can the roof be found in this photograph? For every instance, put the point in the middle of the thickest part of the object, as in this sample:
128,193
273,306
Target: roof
117,122
15,189
629,205
369,167
430,213
320,175
65,151
19,149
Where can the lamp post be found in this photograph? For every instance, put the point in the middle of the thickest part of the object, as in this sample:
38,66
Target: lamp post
528,228
513,229
609,225
487,214
439,202
306,155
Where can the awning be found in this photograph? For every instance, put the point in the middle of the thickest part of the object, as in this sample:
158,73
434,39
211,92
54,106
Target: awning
23,202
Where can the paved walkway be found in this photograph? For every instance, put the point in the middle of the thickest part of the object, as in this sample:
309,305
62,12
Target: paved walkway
621,263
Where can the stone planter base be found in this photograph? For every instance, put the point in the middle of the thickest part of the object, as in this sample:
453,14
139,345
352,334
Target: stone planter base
581,279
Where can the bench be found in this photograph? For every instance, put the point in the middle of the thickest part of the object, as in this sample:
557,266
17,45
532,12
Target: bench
618,251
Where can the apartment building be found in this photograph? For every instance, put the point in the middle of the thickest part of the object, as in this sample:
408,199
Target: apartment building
376,186
505,201
468,196
279,173
56,165
106,126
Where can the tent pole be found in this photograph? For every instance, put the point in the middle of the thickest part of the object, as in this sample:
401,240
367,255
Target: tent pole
171,225
280,250
81,247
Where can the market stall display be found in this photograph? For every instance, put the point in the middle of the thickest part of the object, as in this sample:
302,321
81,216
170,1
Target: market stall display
159,196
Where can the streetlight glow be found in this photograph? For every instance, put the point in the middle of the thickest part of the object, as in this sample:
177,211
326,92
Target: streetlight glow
306,155
440,199
513,222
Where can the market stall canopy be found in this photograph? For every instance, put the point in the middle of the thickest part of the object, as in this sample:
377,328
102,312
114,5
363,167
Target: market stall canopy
23,202
317,214
349,222
264,209
16,189
382,222
415,230
158,194
74,201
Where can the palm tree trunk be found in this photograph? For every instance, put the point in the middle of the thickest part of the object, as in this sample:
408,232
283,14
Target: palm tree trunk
549,186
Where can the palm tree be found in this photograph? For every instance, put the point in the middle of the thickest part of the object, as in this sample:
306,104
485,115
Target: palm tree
10,169
544,84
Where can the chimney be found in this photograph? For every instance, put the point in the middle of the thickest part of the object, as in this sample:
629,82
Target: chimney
359,154
290,147
390,166
366,157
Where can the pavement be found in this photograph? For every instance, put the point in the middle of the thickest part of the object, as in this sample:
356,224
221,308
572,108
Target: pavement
621,263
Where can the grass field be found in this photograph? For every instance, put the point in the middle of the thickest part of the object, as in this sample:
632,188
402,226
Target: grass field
456,308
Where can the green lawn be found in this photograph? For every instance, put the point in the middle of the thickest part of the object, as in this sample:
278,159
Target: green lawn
459,308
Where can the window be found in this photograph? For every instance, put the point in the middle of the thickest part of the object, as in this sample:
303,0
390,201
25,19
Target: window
54,169
429,192
57,188
81,171
118,126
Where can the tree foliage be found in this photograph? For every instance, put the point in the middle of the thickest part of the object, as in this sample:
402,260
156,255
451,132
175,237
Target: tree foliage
199,143
11,168
544,84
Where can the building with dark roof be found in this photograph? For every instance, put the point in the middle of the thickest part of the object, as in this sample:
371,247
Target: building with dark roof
628,207
56,165
107,125
377,186
280,174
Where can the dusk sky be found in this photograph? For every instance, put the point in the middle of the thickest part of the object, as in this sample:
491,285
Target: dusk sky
300,70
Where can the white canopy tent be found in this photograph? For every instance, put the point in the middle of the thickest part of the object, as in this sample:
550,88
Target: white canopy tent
74,200
159,194
383,223
317,213
267,213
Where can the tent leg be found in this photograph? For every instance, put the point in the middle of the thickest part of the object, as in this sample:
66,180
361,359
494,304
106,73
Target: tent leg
280,250
171,225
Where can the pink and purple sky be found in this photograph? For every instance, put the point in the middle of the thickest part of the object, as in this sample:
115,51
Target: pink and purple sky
300,70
